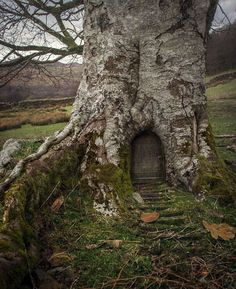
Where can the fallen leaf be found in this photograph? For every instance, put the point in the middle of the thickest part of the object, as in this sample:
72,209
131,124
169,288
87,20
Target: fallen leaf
59,259
204,273
211,228
149,217
224,231
57,204
114,243
92,246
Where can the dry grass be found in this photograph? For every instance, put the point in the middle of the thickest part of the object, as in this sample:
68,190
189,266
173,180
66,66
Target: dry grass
49,118
15,119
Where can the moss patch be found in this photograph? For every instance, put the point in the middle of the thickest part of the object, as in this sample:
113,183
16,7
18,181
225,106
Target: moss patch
166,254
22,201
210,140
214,178
114,179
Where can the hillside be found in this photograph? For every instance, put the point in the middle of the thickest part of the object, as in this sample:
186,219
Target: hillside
60,80
221,50
54,81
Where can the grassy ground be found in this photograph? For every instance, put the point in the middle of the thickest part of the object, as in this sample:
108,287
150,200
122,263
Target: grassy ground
15,118
222,91
33,123
175,251
222,113
210,77
31,132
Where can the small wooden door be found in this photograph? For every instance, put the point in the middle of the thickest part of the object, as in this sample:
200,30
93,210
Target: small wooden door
147,158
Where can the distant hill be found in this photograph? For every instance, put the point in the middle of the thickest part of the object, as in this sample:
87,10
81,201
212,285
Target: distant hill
57,81
221,50
62,80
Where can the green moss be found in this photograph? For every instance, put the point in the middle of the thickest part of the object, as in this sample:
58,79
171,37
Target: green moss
22,201
85,228
209,137
116,178
146,248
15,199
214,178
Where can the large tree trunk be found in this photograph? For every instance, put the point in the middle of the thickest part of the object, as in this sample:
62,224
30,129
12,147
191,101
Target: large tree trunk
144,68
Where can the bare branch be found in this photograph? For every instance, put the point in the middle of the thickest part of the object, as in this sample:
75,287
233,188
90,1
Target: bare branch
38,32
223,12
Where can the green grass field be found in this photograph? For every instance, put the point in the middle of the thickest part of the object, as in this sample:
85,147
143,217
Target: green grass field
30,132
222,115
210,77
222,91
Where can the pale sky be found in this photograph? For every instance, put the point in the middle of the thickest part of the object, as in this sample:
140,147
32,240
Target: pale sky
229,7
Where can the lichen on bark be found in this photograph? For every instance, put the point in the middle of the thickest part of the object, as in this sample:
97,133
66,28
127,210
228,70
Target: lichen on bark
144,67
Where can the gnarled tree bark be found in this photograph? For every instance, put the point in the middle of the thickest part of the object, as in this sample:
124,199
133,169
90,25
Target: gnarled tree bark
144,68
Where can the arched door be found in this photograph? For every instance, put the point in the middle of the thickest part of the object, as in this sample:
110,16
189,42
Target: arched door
147,158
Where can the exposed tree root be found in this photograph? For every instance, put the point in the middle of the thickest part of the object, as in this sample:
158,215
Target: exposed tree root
18,232
43,149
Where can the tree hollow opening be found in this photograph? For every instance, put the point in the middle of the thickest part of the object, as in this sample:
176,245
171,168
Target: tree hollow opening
147,158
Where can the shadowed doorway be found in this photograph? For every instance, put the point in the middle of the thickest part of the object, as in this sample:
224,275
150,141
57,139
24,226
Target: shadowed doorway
147,158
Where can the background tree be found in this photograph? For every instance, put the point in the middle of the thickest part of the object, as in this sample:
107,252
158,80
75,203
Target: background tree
53,29
221,49
38,32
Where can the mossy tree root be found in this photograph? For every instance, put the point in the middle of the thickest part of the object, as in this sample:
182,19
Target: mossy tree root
43,149
72,162
19,244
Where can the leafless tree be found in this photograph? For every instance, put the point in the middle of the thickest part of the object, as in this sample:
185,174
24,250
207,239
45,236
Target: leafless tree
34,32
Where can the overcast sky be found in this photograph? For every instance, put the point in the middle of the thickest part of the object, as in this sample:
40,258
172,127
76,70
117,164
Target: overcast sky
229,6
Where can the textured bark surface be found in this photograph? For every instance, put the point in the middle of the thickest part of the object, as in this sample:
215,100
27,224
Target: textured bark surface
144,70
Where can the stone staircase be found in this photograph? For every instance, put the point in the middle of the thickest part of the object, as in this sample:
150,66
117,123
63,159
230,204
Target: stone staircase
172,231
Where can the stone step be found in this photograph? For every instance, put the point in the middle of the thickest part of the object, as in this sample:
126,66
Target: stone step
148,192
150,183
163,202
173,235
156,198
155,192
153,207
171,213
171,221
150,196
181,228
150,186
